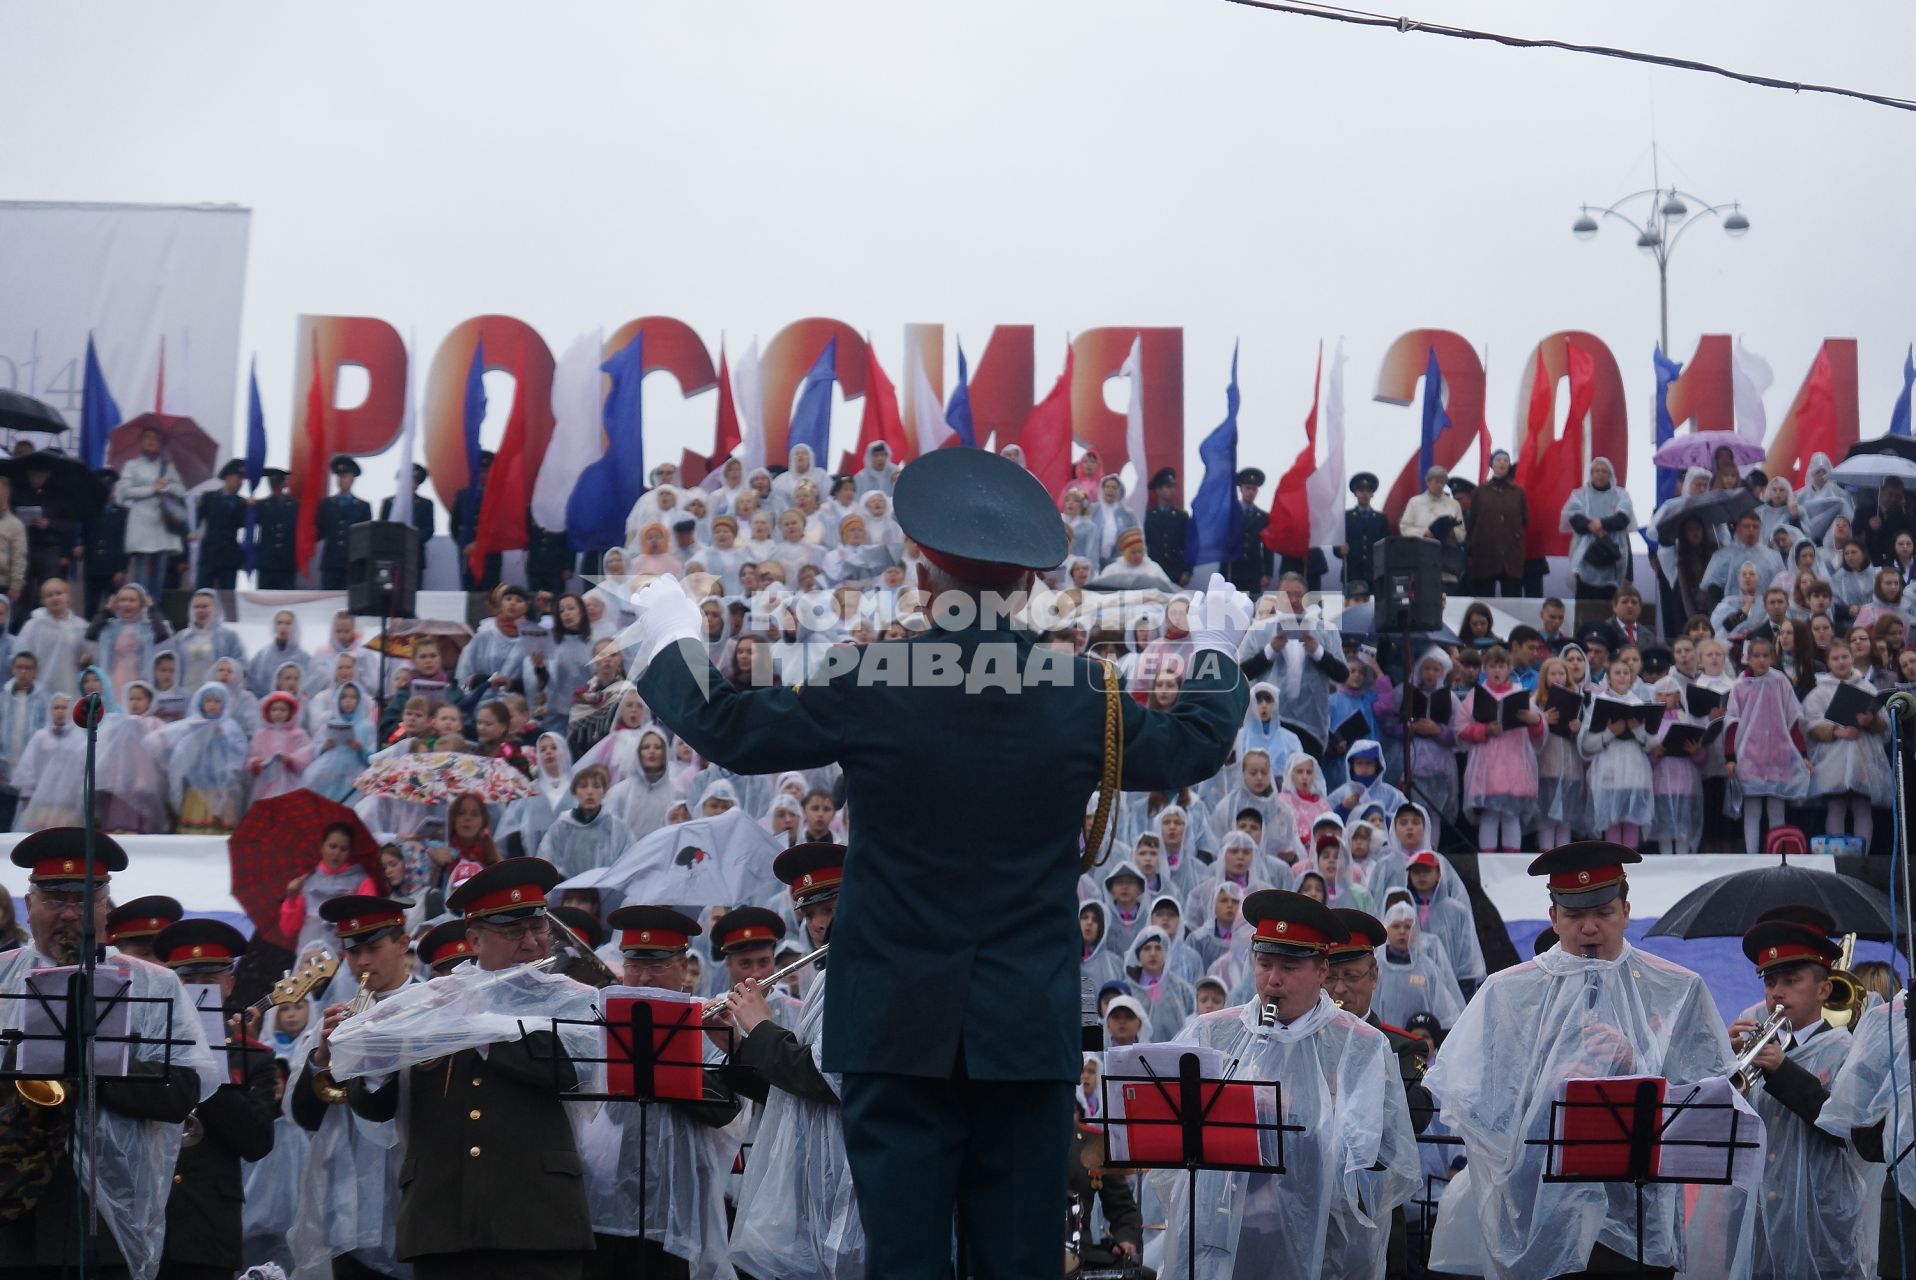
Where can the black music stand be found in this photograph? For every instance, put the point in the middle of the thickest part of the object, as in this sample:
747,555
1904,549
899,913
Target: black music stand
1191,1097
1642,1127
629,1042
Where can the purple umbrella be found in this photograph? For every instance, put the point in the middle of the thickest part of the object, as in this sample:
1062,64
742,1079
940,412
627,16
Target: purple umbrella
1698,449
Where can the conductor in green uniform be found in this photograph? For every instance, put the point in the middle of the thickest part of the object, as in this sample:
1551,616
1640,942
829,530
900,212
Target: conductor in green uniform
954,1012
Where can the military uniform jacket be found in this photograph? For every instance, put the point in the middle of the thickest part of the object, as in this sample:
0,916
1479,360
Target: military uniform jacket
1255,561
1164,530
203,1210
337,514
106,541
772,1058
222,519
1364,528
938,910
491,1163
1410,1068
276,524
423,518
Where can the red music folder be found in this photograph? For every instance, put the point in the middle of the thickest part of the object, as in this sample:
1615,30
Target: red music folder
677,1048
1224,1105
1595,1126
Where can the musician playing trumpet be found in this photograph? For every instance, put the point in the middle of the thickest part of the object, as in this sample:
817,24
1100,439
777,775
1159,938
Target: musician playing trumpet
1811,1222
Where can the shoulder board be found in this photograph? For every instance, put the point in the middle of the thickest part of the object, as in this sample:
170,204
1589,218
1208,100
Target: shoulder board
1393,1030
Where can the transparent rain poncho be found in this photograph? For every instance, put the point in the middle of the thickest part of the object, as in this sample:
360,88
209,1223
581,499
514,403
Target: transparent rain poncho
1527,1030
135,1157
797,1214
1873,1086
1327,1214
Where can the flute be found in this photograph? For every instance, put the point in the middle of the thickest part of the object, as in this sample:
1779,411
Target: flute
716,1003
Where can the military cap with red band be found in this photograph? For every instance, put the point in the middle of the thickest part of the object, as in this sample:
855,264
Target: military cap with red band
1586,873
813,870
1780,944
444,944
747,927
1290,924
361,919
1367,933
187,945
506,891
980,517
653,933
142,918
56,857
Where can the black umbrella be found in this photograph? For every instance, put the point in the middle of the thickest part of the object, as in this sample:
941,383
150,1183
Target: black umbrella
69,482
1727,906
21,412
1901,446
1718,506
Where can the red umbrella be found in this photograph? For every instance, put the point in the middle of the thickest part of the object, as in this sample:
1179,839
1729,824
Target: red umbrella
183,441
279,839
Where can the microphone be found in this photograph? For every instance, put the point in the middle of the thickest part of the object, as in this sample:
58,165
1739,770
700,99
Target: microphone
1902,702
89,711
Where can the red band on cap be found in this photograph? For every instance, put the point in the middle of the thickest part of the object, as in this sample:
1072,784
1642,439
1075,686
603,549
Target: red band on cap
1587,880
144,927
983,572
198,953
815,882
750,933
66,869
1789,953
369,922
519,897
652,940
1291,933
445,951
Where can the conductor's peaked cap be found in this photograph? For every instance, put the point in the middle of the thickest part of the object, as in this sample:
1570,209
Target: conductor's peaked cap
979,516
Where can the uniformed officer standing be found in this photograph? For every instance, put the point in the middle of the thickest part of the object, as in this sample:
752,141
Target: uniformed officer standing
203,1228
276,532
105,547
132,926
337,514
423,518
464,514
1255,565
222,518
1165,524
970,1107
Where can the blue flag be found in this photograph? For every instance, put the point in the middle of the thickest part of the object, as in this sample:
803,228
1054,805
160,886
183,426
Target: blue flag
255,451
1436,421
958,412
474,415
1215,531
812,420
607,490
98,414
1668,371
1899,416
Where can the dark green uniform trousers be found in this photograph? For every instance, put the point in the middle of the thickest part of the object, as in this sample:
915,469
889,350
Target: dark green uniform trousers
996,1150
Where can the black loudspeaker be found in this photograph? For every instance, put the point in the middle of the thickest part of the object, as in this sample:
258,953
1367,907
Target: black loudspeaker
382,568
1407,583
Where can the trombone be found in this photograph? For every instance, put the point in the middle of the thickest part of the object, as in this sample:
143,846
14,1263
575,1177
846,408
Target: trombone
595,972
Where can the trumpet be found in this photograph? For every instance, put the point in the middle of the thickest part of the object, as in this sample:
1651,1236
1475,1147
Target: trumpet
716,1003
1744,1075
328,1089
1847,995
592,971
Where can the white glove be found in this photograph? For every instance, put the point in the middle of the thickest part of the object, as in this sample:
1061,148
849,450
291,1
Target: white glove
1219,618
666,615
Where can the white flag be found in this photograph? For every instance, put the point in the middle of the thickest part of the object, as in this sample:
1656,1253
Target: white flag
409,417
1750,377
748,398
933,431
1139,495
578,427
1324,487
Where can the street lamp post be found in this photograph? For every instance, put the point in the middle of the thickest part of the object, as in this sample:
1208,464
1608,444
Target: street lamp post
1669,217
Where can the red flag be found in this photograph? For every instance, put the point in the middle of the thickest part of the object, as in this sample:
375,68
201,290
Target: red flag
502,514
309,486
159,387
880,423
1289,530
728,434
1554,470
1816,427
1046,437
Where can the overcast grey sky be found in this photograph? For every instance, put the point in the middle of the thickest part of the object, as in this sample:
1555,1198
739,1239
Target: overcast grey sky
1065,163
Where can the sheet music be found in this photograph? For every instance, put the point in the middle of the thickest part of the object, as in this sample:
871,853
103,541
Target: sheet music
206,1002
46,1016
1161,1059
1702,1119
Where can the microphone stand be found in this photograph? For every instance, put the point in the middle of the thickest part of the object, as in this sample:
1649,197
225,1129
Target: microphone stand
1902,710
80,1001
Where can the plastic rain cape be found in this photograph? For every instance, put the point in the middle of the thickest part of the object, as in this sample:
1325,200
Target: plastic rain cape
1327,1214
136,1157
1560,1017
797,1216
1873,1086
681,1178
349,1187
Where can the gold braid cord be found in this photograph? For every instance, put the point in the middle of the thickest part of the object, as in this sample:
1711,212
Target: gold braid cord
1096,847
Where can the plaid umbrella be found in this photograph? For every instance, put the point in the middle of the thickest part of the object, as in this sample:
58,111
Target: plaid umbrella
184,442
279,839
435,777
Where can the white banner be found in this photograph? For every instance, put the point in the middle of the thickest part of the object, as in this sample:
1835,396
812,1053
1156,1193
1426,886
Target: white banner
133,274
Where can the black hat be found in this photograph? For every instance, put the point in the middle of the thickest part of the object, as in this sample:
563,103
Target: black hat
1363,480
1366,933
1290,924
141,918
1815,917
1781,944
1251,475
1657,658
684,524
583,923
1585,873
506,891
233,468
979,516
56,858
444,945
200,945
653,933
1460,485
1544,940
1163,476
362,919
1593,631
813,871
418,475
746,927
106,474
344,466
485,457
274,473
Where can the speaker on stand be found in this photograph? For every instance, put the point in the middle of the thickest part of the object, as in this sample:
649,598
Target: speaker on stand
382,576
1407,590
